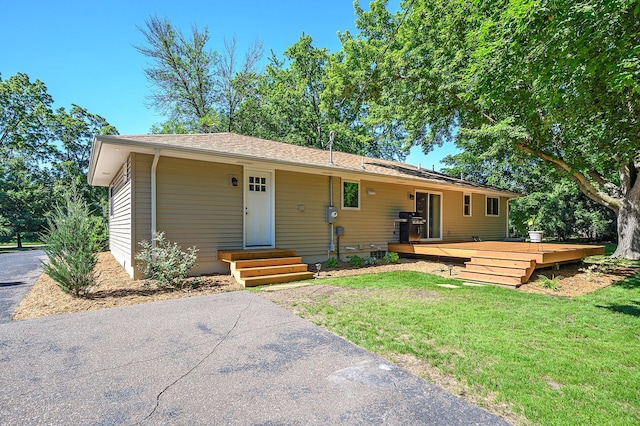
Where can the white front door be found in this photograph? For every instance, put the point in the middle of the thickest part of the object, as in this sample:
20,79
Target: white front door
258,208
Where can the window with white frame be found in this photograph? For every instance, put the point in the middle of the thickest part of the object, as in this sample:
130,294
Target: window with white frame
493,206
350,194
466,204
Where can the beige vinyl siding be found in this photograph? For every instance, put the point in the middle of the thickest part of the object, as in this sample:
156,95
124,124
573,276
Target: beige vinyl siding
462,227
197,206
120,217
141,201
305,231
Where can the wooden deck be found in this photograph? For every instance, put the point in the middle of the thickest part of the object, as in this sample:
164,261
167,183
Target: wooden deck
501,262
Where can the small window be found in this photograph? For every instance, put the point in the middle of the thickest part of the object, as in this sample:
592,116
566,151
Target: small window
350,195
493,204
466,205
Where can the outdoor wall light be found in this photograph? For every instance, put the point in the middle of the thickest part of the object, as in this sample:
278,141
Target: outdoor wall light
233,181
411,196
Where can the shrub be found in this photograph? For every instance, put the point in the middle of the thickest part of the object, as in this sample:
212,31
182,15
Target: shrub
99,234
371,261
166,263
356,261
331,262
68,245
391,257
552,283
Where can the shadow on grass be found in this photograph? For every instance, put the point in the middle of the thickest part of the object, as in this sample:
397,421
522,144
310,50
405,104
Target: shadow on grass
631,307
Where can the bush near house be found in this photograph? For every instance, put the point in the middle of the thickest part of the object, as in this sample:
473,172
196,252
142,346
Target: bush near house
166,263
69,247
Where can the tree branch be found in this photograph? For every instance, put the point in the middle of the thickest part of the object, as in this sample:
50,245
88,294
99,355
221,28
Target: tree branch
583,182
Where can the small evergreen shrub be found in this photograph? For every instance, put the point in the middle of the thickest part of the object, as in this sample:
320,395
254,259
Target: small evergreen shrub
331,262
371,261
356,261
166,263
99,234
68,245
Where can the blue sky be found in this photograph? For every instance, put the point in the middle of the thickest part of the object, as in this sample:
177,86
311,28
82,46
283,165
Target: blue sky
83,50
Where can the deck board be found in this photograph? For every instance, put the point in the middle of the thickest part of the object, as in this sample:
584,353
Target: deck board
545,254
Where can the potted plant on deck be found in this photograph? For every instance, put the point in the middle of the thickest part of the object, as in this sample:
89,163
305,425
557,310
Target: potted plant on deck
535,235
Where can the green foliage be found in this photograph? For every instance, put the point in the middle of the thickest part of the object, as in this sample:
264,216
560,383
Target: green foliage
563,212
515,83
552,283
356,261
68,246
99,234
166,263
42,154
391,257
331,262
371,261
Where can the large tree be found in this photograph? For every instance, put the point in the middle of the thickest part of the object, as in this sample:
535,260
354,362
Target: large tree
198,89
41,150
557,81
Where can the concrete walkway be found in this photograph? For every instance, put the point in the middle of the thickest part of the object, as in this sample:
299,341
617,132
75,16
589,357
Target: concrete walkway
231,358
18,272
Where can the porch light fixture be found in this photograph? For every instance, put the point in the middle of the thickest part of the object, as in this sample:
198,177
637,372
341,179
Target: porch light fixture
411,196
233,181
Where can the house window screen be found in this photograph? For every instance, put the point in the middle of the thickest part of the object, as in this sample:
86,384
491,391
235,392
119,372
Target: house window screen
493,204
466,209
350,195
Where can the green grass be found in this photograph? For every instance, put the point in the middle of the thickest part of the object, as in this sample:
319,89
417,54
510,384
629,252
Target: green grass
554,361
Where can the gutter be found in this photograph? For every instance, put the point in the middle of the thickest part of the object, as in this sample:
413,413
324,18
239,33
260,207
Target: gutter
154,165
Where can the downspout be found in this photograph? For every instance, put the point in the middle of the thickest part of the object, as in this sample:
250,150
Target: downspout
331,244
154,165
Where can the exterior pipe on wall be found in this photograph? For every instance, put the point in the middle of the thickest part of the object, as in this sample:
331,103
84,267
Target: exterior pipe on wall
156,157
331,244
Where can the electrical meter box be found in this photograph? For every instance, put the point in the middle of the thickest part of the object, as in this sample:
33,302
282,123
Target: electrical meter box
332,214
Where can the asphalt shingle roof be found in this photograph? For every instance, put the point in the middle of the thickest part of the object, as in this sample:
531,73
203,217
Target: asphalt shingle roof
231,144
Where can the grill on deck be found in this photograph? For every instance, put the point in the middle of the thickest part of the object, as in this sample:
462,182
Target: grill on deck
410,227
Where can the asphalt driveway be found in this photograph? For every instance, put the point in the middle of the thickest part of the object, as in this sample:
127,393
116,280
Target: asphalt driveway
18,272
232,358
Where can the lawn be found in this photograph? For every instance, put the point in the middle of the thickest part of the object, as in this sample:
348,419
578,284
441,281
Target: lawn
549,360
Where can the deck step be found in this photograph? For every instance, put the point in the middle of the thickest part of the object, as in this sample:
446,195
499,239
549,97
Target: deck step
497,270
273,261
275,267
493,279
277,279
234,255
271,270
500,262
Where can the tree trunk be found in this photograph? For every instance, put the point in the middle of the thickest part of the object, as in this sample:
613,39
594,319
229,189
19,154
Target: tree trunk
629,230
19,237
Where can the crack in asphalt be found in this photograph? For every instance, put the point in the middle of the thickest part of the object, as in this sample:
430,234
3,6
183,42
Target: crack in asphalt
226,336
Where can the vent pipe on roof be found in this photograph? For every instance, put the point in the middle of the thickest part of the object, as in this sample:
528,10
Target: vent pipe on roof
419,166
331,136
